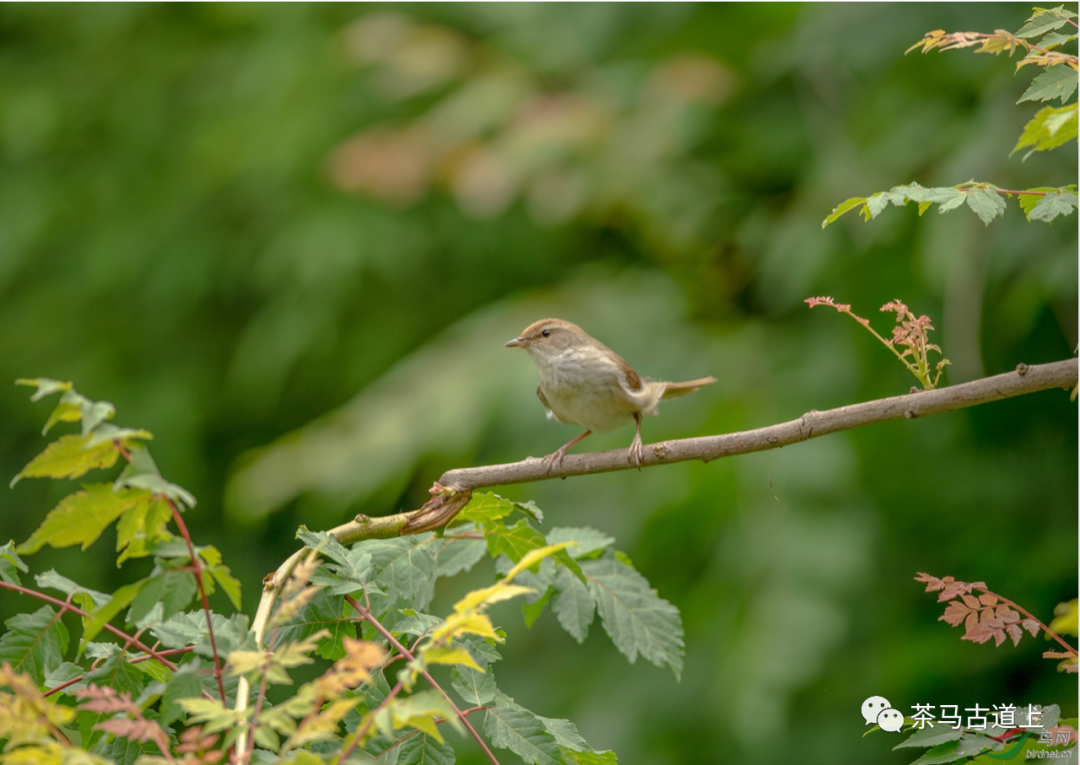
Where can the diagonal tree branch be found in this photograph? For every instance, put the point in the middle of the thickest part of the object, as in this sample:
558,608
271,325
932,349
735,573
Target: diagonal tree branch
454,488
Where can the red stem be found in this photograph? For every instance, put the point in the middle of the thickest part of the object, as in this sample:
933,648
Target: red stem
202,591
76,610
427,676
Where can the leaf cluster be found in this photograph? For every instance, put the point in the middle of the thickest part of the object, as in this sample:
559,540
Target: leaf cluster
167,687
1049,128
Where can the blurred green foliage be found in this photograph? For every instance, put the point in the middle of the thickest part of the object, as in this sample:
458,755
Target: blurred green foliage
271,227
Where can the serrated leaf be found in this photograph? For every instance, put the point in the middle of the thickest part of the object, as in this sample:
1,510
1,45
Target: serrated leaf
931,736
588,540
142,527
1049,128
986,204
406,568
637,619
485,507
69,456
475,688
1055,82
423,749
420,710
323,612
573,605
173,589
510,726
1045,20
843,207
1055,39
34,643
1052,205
457,555
118,601
565,733
82,516
159,486
118,673
515,541
84,597
229,583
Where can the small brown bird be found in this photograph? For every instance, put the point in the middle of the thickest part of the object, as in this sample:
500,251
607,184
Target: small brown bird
583,382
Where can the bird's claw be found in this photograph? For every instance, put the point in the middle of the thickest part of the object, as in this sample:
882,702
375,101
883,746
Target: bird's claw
550,460
634,455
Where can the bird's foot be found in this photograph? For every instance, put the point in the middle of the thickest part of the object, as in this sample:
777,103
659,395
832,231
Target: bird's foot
550,460
635,451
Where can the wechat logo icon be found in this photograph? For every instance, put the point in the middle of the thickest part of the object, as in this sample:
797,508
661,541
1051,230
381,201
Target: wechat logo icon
877,710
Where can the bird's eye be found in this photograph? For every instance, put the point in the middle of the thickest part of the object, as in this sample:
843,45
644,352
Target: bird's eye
546,332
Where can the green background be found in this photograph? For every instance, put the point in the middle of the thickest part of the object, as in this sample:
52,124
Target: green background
178,236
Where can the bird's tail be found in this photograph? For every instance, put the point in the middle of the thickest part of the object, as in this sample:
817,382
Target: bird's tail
674,390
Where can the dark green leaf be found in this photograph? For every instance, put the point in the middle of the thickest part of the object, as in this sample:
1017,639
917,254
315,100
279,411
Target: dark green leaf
573,605
406,568
184,684
565,733
475,688
456,555
634,616
118,673
34,643
173,589
509,726
324,612
422,749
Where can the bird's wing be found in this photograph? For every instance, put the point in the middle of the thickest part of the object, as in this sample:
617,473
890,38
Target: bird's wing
674,390
540,395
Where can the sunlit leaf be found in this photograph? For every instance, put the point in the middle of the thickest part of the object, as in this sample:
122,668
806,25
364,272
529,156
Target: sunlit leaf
82,516
69,456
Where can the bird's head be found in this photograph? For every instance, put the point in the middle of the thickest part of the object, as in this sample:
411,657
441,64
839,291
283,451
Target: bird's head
549,336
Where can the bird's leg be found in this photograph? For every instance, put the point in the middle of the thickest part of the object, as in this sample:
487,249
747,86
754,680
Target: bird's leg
635,445
561,452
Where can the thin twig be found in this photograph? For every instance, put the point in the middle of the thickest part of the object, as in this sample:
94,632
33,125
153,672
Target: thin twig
427,676
195,563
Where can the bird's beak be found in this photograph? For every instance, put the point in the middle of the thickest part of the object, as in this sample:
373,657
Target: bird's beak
517,342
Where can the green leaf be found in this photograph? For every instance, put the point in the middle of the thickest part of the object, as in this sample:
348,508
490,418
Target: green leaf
843,207
82,516
65,672
565,733
986,204
574,607
475,688
515,541
83,597
34,643
510,726
591,758
532,611
587,540
423,749
1055,39
418,711
930,737
184,684
173,589
1045,20
118,673
229,583
1052,205
69,456
45,387
457,555
142,528
1055,82
634,616
11,564
189,629
324,612
968,746
406,568
485,507
105,614
1049,128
